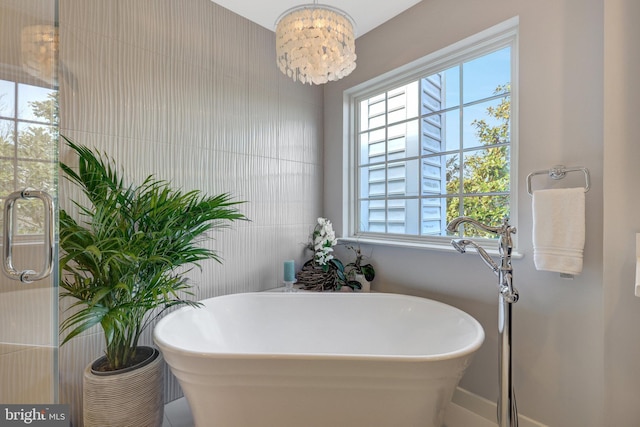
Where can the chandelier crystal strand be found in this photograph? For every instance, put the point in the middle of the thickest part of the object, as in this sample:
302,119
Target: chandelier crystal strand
315,44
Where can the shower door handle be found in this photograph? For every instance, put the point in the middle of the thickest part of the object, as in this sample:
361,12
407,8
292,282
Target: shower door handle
27,276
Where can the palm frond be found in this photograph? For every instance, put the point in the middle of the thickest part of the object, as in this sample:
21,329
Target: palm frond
120,262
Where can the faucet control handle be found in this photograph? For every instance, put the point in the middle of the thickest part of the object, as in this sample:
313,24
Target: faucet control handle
507,229
508,292
510,296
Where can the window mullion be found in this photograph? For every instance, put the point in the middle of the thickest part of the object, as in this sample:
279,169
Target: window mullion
386,162
15,139
420,167
461,142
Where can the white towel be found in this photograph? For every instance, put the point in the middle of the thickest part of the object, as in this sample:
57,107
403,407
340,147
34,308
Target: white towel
638,264
559,230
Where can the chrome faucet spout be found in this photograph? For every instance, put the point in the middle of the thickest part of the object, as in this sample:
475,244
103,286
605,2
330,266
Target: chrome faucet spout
504,231
456,222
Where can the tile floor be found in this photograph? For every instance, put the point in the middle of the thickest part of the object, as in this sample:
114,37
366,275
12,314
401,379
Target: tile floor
178,414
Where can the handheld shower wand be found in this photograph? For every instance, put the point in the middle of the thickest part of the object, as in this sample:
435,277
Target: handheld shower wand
461,246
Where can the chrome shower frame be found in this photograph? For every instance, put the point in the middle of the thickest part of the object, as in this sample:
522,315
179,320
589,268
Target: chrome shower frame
507,409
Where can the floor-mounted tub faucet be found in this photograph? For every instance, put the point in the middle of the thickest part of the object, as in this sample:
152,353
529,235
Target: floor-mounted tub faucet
507,410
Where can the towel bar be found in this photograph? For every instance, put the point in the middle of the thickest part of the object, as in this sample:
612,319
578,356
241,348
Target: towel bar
559,172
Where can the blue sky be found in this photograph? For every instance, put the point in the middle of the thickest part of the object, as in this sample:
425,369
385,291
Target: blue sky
481,77
26,94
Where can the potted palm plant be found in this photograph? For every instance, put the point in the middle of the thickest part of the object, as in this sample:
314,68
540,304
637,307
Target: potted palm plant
125,262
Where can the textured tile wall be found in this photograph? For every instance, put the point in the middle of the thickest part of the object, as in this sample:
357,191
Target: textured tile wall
189,92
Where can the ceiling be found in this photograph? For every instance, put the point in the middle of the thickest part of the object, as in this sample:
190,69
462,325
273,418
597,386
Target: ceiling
367,14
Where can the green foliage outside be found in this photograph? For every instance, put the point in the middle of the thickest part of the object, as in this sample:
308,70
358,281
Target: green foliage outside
485,171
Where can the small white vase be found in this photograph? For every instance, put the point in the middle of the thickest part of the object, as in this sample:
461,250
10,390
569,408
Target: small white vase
366,286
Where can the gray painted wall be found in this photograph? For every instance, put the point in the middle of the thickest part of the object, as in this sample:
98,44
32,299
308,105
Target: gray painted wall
558,324
621,207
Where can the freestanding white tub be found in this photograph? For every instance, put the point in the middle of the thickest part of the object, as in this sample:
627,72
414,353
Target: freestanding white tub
318,359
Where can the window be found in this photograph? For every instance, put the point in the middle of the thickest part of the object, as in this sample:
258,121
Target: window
434,140
28,141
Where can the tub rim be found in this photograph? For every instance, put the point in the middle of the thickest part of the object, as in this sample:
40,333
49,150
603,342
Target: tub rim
467,350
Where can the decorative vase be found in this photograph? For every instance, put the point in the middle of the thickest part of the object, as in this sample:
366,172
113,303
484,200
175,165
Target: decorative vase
130,397
314,277
366,285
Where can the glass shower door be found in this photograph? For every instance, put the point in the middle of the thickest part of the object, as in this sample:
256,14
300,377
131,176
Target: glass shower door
28,194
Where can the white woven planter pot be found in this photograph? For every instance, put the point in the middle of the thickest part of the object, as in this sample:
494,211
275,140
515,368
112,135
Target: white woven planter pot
134,398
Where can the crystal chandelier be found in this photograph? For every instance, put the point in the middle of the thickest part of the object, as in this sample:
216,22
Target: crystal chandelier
315,44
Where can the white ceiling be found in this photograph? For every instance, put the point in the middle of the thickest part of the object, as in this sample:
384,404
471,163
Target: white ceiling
367,14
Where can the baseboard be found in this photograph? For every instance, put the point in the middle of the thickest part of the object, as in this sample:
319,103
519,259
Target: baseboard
468,409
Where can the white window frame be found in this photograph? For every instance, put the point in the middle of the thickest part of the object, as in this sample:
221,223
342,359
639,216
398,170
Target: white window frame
499,36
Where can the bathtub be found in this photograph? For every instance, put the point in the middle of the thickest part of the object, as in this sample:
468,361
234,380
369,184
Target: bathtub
318,359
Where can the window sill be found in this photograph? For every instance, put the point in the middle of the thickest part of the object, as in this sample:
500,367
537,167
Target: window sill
429,246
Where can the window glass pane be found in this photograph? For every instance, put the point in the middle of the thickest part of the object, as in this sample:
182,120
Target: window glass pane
453,210
372,182
433,175
452,165
373,115
29,216
434,211
397,179
486,171
376,108
487,123
396,216
486,209
441,175
432,94
6,175
34,103
35,174
7,98
403,140
372,216
403,178
403,216
483,75
441,132
441,91
402,103
363,123
36,141
372,147
376,122
7,138
451,83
